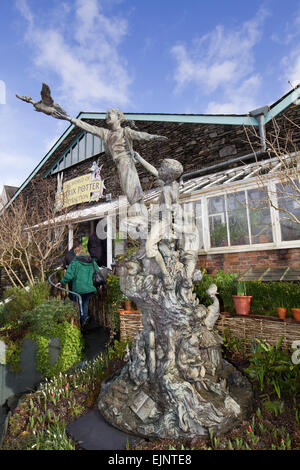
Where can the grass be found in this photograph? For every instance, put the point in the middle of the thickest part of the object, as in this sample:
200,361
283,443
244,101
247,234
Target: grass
41,418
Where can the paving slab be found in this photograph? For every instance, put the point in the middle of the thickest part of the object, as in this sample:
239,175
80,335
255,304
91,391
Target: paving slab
92,432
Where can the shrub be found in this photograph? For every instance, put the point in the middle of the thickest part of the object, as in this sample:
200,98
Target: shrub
53,311
71,348
22,300
272,368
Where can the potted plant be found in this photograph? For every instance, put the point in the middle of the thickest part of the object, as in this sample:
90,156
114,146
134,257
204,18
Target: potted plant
127,304
294,302
280,299
296,313
241,300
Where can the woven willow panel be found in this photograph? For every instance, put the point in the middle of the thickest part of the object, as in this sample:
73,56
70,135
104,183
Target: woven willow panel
130,324
256,327
248,328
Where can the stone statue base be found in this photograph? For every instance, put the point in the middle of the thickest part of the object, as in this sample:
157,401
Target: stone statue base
175,383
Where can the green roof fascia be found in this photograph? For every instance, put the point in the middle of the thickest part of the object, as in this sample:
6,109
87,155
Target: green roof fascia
42,162
65,152
279,107
183,118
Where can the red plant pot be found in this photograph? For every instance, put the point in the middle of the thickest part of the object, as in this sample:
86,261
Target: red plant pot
281,312
242,304
296,313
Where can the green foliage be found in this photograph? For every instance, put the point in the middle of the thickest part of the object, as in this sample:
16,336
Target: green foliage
226,283
71,348
266,296
232,345
118,350
51,312
241,288
114,300
22,300
49,319
201,287
272,368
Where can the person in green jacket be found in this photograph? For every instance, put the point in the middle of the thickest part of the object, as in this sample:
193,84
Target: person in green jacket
80,272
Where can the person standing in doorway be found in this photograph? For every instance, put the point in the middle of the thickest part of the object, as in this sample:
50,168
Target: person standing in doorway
80,272
97,249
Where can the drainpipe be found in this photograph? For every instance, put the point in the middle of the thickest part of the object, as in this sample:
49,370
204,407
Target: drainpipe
259,114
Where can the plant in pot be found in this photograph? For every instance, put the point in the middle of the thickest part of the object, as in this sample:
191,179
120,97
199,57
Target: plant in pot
241,300
295,304
127,303
280,298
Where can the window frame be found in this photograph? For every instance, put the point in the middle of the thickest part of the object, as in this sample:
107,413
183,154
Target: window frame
227,189
73,148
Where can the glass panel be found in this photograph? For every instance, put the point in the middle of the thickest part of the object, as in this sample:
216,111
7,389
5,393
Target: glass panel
289,200
199,224
68,159
61,164
237,219
217,221
89,145
75,153
81,144
260,217
97,145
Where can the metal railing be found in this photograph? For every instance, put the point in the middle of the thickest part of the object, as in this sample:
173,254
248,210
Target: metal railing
65,290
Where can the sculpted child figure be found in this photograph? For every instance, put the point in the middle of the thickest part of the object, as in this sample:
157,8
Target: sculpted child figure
117,141
168,207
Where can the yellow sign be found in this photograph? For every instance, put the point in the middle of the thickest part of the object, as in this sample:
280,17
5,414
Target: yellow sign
86,188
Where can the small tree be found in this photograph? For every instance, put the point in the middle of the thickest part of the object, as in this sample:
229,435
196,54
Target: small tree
32,234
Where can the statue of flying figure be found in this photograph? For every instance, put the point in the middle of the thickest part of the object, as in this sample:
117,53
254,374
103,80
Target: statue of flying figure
118,144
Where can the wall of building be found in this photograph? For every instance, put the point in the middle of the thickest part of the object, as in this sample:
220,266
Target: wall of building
241,262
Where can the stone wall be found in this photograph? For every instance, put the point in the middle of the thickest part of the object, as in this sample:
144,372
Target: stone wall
196,146
241,262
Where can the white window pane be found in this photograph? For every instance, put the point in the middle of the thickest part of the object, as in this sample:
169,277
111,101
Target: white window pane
68,159
75,153
199,222
81,144
237,219
217,221
89,145
97,145
260,217
61,165
289,202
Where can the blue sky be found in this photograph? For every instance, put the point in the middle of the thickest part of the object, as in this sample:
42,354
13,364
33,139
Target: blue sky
158,56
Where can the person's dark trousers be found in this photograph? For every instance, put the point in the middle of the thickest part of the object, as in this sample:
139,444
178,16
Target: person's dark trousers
84,313
71,296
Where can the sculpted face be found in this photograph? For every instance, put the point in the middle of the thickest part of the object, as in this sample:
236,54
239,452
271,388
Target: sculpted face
112,118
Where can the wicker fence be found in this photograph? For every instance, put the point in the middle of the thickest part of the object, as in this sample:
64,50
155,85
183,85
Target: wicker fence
250,327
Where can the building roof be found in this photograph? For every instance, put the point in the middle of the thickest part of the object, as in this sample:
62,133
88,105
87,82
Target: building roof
230,119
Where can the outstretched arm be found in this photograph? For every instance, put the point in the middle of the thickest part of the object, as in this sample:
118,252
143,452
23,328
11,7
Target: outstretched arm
137,135
95,130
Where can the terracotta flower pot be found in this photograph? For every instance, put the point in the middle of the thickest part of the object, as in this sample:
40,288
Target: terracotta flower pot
242,304
281,312
296,313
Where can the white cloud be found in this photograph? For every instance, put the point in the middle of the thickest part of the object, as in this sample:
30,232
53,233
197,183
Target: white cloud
82,52
222,61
